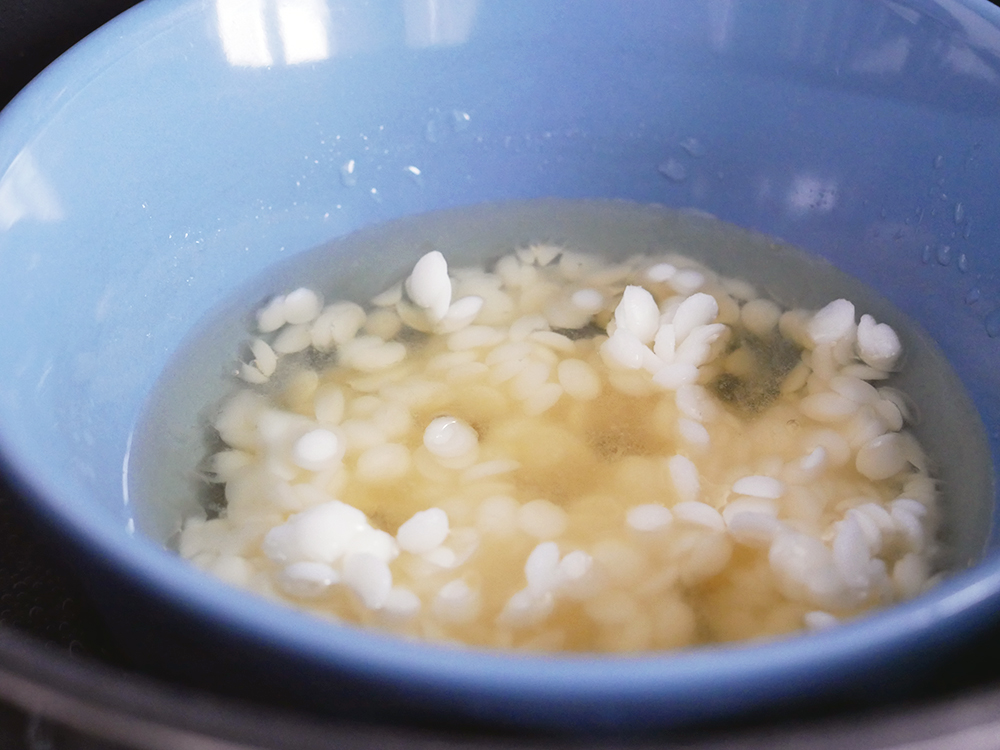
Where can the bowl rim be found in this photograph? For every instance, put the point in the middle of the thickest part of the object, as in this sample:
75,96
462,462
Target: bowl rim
685,681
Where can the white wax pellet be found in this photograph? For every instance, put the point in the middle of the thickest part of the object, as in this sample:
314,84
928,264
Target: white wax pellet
374,542
450,437
389,297
819,620
553,340
665,342
460,314
697,310
474,337
672,376
307,579
909,574
579,379
687,281
752,528
684,475
272,316
693,433
827,407
329,404
531,377
541,570
833,323
623,349
401,603
369,577
317,449
490,469
699,514
878,344
882,457
524,609
497,515
383,463
371,354
695,402
749,505
638,313
302,306
337,324
661,272
544,398
293,338
541,519
456,602
760,316
649,517
429,286
251,374
851,553
575,566
588,300
759,486
855,389
424,531
869,528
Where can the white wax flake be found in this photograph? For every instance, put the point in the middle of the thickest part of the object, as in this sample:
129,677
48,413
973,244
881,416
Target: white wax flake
578,379
878,345
318,449
302,306
649,517
369,577
293,338
429,285
265,359
638,314
684,474
851,554
759,486
424,531
575,566
320,534
833,323
450,437
665,342
697,310
381,464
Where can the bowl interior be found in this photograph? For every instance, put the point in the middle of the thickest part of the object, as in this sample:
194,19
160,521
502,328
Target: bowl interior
180,152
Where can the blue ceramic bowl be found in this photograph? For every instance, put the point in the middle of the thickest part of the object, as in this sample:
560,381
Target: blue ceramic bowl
188,145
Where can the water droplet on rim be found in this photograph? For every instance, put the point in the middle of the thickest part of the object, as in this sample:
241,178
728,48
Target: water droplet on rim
959,213
673,170
925,256
992,322
972,296
944,255
693,147
347,175
938,161
963,263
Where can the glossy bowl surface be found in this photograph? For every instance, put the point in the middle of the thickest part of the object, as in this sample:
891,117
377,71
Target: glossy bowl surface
187,146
